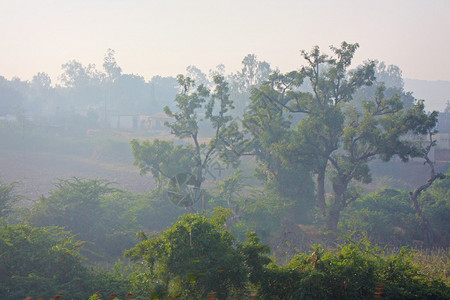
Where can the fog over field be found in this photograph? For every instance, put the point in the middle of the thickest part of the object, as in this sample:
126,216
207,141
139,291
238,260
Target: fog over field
224,150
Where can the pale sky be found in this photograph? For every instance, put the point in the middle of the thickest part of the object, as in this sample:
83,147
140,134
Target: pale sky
164,37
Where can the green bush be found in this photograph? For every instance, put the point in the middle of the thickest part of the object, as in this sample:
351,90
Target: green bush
90,209
351,272
8,197
401,279
105,217
436,205
41,262
193,257
388,218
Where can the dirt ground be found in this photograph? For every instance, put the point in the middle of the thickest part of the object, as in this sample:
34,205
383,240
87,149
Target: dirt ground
35,172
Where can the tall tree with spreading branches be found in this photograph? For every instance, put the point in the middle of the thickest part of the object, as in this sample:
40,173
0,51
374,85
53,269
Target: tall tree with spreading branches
335,138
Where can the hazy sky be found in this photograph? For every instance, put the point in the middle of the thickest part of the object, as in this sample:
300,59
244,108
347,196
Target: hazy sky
164,37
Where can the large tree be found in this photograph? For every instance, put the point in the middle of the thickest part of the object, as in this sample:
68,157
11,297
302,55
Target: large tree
190,161
112,69
335,137
252,74
269,126
81,85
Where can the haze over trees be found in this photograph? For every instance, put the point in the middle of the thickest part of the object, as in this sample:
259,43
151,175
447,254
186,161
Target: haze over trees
263,184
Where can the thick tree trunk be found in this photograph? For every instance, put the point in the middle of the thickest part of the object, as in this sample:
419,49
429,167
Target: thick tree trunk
332,219
320,192
429,233
340,203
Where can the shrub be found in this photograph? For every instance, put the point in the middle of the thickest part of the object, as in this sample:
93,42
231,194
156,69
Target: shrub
8,197
352,271
41,262
387,218
193,257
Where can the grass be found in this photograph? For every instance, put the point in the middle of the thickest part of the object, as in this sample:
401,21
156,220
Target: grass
434,263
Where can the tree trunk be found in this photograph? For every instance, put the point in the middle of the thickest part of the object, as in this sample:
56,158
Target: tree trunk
332,219
430,235
334,212
320,193
428,231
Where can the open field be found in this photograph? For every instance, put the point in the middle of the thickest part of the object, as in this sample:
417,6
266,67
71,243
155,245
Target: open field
36,160
35,172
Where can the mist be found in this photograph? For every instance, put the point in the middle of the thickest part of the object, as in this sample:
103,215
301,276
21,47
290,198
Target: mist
244,180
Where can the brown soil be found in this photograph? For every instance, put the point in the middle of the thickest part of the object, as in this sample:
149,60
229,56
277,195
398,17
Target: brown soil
35,172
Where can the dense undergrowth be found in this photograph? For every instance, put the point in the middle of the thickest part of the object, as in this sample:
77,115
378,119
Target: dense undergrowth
197,255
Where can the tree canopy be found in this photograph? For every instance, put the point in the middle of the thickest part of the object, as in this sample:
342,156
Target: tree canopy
335,137
196,255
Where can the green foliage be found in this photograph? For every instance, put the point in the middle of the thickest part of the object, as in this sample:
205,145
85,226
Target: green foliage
253,208
41,262
193,257
255,255
46,261
353,271
234,194
89,209
165,160
76,200
336,138
149,212
436,205
401,278
8,197
261,212
270,130
387,216
188,101
158,157
116,282
105,217
190,104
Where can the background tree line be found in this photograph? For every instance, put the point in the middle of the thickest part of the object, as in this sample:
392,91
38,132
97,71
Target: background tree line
88,94
302,146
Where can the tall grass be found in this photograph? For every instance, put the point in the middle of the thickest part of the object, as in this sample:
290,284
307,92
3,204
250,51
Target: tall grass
434,263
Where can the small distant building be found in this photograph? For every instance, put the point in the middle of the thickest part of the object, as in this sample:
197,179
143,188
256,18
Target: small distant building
138,122
154,122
